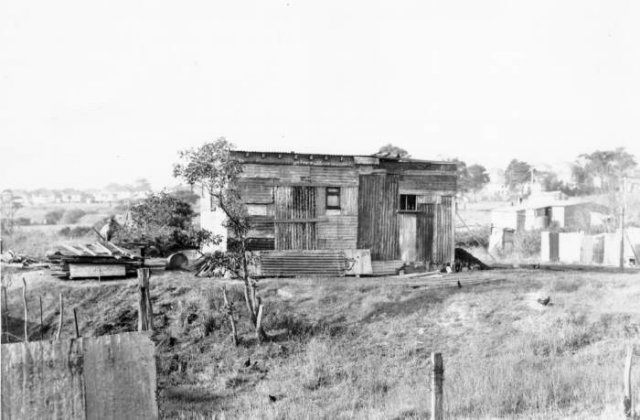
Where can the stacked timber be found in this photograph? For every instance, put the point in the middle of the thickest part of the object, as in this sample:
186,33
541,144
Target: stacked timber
97,260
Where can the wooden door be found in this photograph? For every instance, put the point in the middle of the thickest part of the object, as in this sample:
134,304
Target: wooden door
424,232
407,236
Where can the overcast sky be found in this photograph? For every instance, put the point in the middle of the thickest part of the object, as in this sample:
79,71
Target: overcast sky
93,92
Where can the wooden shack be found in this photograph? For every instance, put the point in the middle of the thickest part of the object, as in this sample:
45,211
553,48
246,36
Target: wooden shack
401,210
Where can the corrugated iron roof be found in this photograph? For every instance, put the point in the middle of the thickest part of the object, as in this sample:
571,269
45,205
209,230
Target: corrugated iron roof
255,154
542,204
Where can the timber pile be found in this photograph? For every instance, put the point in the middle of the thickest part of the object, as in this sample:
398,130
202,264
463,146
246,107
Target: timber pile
100,255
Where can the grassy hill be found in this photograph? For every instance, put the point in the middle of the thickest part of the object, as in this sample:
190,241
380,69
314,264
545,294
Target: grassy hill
359,348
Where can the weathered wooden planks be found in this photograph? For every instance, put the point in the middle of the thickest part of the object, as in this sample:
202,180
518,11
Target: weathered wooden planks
77,271
289,190
377,221
109,377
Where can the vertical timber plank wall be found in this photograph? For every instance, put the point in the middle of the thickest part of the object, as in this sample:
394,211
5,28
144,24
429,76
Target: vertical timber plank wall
424,232
444,235
377,221
295,225
110,377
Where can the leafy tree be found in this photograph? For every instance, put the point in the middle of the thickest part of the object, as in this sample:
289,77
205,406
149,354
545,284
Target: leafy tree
392,151
582,180
187,196
517,174
163,222
53,217
211,166
72,216
607,166
464,177
478,177
470,178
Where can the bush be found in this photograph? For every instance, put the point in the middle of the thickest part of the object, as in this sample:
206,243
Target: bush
72,216
527,243
53,217
22,221
163,222
76,232
472,238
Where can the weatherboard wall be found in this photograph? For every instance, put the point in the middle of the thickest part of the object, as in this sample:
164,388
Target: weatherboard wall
286,201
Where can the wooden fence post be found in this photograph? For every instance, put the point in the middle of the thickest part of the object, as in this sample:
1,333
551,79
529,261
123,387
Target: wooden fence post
75,321
437,377
628,398
26,311
41,327
145,315
5,315
60,321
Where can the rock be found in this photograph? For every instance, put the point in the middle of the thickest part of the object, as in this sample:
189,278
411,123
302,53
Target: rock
544,301
284,294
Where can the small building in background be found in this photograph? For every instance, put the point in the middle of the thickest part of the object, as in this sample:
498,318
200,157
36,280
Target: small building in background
569,214
399,211
581,248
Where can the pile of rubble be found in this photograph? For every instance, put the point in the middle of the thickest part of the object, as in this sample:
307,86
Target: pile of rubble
96,260
16,260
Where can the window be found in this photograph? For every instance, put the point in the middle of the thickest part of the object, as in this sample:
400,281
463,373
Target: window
407,202
333,198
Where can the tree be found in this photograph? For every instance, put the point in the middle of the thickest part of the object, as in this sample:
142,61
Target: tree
470,178
549,180
163,222
53,217
517,174
211,166
186,195
464,177
478,177
389,150
603,170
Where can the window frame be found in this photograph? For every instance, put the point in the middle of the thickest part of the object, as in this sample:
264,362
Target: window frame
404,202
332,192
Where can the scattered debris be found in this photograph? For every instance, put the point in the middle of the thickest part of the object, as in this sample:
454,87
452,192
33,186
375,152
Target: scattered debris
465,260
10,257
100,259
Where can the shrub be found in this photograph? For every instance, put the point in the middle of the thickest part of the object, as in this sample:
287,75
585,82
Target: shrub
72,216
76,232
527,243
22,221
472,238
53,217
163,222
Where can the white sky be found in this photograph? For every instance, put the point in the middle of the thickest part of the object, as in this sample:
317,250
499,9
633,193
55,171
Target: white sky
93,92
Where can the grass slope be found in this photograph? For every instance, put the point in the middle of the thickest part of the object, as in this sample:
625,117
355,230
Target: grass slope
359,348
